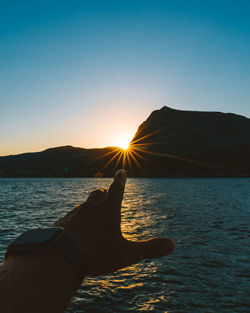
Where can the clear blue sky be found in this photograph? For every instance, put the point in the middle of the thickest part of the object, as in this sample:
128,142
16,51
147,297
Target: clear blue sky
86,72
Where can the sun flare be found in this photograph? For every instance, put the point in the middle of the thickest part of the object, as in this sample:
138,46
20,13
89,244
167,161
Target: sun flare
127,153
132,154
123,142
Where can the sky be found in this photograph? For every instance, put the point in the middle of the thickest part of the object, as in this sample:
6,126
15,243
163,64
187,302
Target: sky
88,73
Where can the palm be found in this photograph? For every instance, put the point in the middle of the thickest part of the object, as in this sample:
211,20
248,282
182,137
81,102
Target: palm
95,227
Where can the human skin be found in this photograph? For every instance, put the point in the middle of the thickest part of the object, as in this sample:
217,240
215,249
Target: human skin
47,283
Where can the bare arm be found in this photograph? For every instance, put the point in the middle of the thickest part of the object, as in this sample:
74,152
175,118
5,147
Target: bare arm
36,284
46,283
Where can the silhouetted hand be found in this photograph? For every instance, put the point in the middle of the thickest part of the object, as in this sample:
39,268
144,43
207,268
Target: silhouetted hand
95,228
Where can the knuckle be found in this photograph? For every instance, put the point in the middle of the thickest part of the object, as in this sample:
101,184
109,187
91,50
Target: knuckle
98,194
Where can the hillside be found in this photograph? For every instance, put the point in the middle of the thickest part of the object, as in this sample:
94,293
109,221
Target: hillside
189,143
170,143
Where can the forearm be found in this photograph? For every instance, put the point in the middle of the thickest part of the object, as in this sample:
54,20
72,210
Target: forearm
36,284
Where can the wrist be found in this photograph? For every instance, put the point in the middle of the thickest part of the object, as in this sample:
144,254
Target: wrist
50,241
40,283
51,264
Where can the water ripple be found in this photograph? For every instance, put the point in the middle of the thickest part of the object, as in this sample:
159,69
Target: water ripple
207,218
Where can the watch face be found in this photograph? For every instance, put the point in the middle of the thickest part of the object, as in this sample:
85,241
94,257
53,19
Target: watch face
37,238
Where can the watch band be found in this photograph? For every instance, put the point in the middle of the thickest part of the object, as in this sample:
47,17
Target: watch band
66,247
45,241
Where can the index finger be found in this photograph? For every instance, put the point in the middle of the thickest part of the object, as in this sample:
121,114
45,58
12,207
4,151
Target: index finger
116,190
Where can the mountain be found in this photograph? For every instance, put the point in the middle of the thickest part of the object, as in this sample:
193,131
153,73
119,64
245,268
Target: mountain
65,161
188,143
170,143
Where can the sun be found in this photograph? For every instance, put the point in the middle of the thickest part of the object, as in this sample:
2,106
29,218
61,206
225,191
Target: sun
122,142
130,154
126,153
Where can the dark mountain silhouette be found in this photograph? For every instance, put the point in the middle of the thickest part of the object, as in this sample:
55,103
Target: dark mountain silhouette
65,161
170,143
188,143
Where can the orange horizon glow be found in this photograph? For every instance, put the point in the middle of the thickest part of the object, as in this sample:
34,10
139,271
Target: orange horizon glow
128,152
131,155
122,142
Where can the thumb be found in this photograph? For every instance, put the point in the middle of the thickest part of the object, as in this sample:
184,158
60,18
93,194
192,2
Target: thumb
152,248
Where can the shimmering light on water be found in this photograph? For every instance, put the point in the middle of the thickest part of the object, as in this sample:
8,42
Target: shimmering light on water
208,219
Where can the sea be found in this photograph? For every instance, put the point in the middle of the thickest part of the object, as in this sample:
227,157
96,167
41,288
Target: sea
207,218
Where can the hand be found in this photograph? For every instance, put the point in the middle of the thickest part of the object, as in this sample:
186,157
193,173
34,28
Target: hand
95,228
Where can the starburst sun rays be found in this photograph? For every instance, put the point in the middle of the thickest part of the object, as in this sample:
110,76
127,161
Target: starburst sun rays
137,152
128,155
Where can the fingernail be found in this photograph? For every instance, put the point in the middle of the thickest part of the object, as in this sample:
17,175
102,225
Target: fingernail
123,175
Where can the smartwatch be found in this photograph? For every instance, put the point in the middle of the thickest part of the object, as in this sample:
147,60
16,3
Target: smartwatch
45,241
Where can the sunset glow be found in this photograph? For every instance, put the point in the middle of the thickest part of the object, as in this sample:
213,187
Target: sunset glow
123,142
82,73
128,154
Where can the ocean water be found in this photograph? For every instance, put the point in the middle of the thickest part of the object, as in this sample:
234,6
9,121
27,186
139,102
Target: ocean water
208,219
